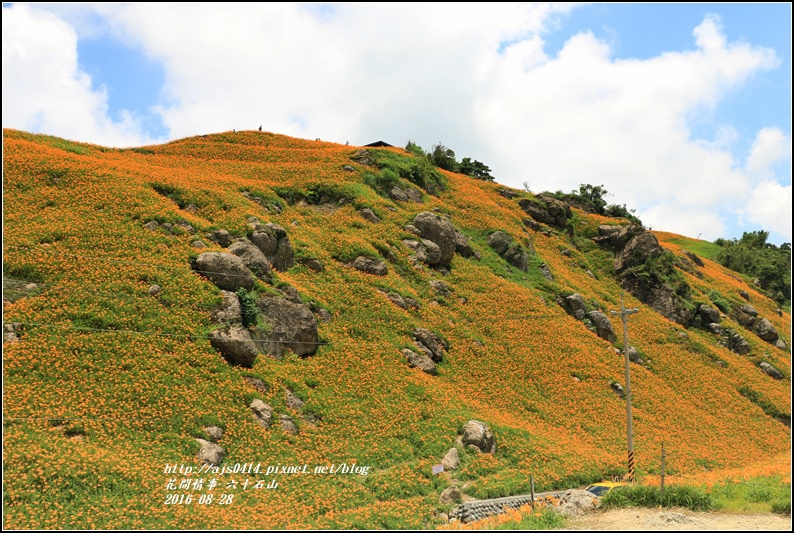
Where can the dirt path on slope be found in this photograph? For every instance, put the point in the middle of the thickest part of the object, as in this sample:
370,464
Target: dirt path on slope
677,520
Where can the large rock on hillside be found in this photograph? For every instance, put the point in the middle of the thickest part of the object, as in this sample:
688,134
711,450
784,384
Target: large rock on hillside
253,258
370,265
432,342
220,237
288,424
463,247
637,251
274,242
420,361
661,298
735,342
432,252
771,371
210,453
709,314
478,434
229,312
653,287
547,209
225,270
438,229
617,237
764,329
408,194
499,241
451,460
290,326
518,257
603,326
236,344
502,243
574,305
746,315
263,413
450,496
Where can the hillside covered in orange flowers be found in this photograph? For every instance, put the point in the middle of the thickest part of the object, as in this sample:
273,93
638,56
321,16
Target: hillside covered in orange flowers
111,372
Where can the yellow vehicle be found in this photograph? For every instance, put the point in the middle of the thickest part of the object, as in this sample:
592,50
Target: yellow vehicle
599,489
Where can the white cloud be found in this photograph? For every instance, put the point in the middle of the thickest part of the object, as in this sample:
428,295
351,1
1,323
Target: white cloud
770,147
45,91
770,208
473,76
353,72
692,221
584,117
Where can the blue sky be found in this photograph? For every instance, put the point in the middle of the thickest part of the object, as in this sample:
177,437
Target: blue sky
682,111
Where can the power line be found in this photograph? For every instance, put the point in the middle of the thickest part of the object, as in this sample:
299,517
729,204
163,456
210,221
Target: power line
153,333
126,262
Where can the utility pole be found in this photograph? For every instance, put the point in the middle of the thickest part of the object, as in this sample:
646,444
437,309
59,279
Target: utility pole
624,317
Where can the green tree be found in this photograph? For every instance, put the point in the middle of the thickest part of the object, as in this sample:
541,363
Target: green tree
475,169
594,194
443,157
770,265
415,149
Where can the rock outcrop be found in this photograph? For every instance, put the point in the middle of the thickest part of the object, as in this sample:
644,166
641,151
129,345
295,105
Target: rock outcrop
510,251
770,370
253,258
430,343
225,270
263,413
220,237
213,432
764,329
369,265
641,269
733,341
547,209
479,435
440,231
637,251
236,344
289,326
708,314
210,453
602,326
746,315
274,242
451,460
463,247
420,361
450,495
574,305
408,194
369,215
288,424
292,401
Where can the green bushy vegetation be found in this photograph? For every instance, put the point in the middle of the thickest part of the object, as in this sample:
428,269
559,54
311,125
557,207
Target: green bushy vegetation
770,265
590,198
692,498
443,157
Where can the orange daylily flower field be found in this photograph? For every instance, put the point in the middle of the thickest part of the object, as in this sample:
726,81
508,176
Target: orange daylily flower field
108,385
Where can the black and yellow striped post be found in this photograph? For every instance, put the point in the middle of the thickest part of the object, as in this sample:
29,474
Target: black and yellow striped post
624,317
630,475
